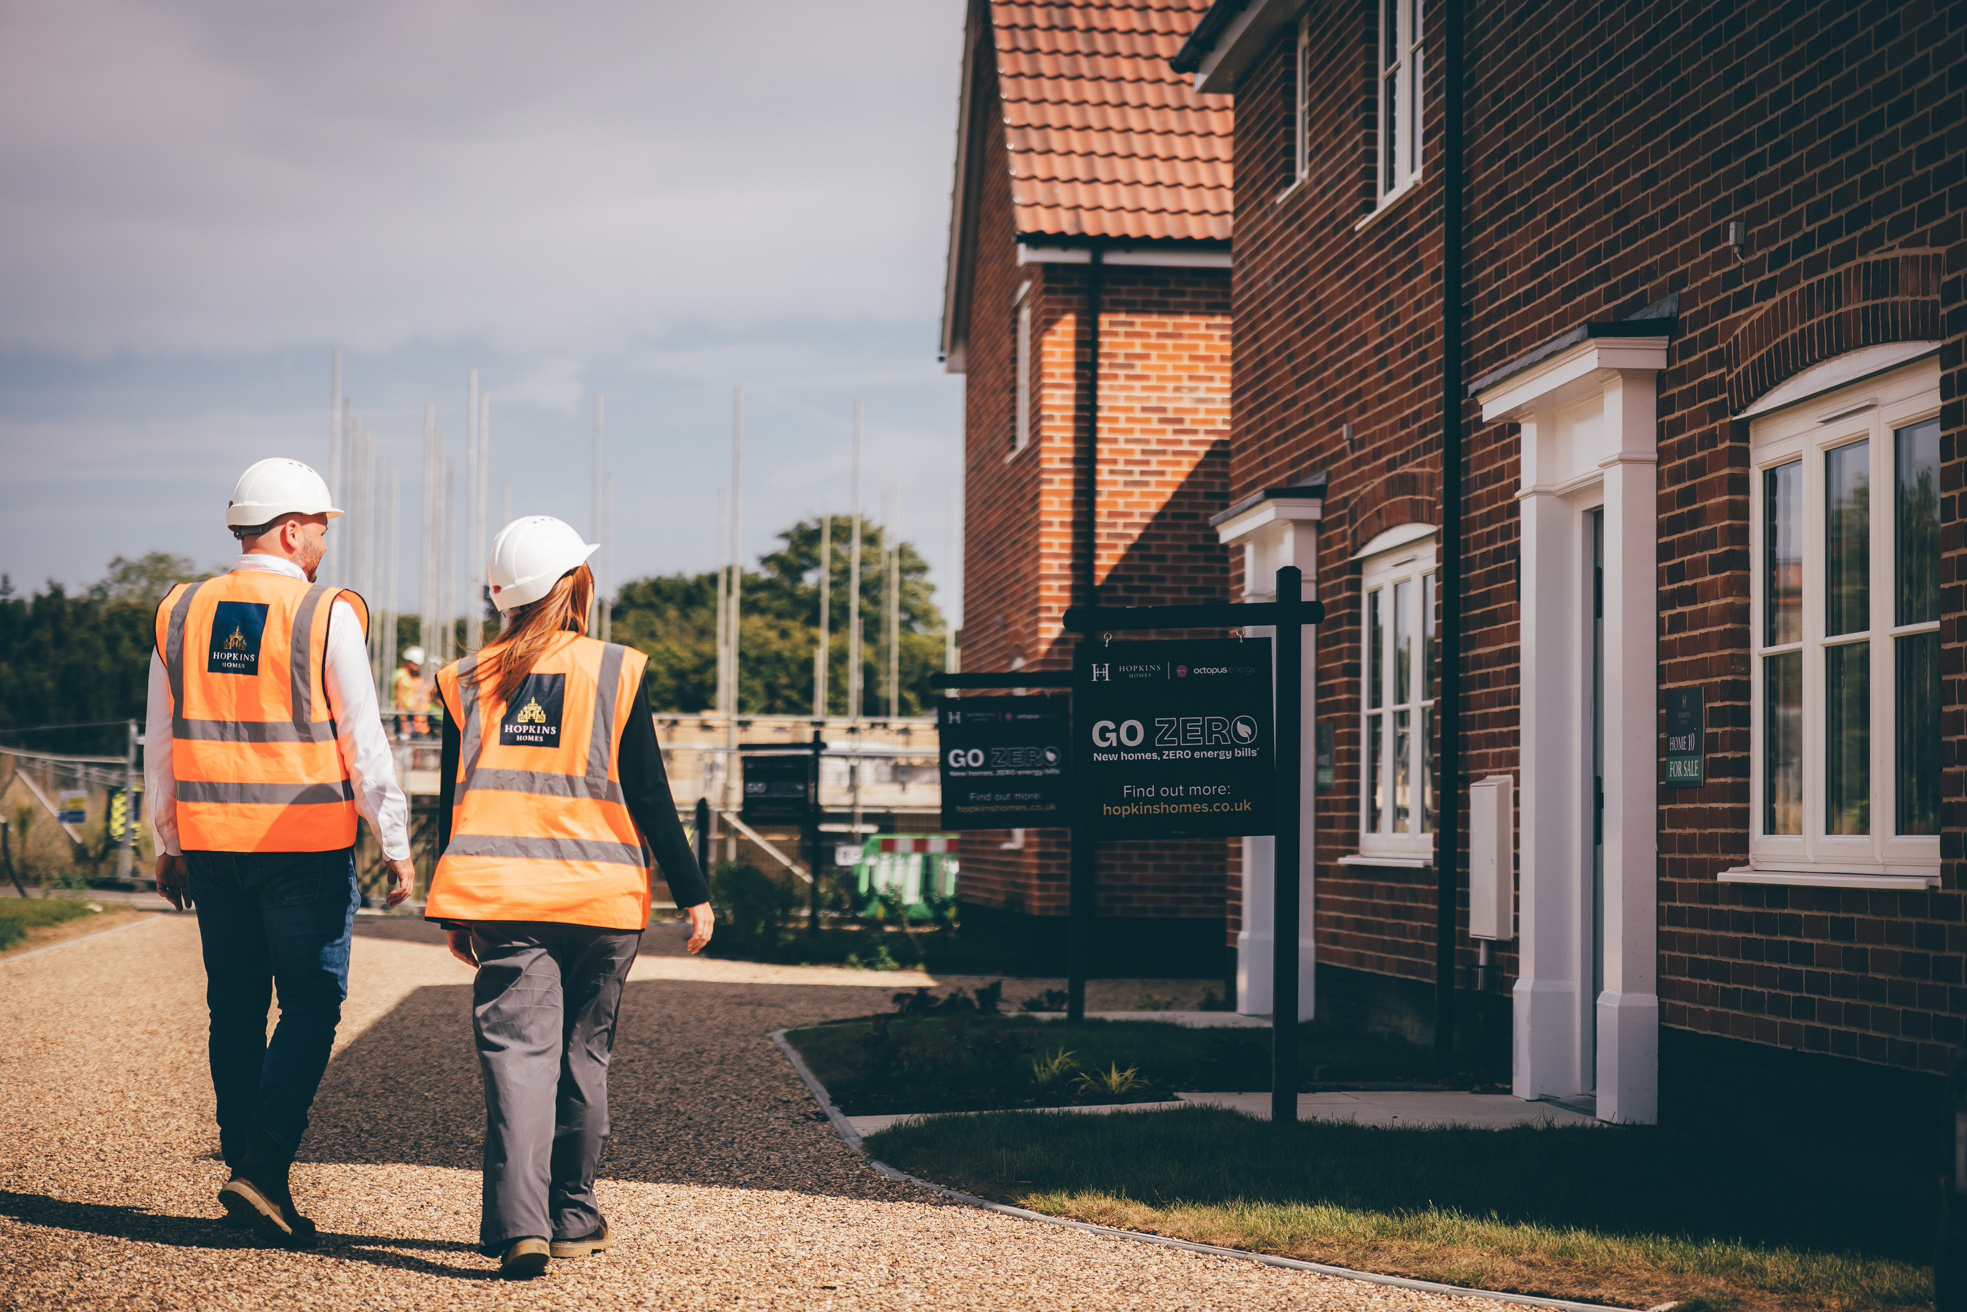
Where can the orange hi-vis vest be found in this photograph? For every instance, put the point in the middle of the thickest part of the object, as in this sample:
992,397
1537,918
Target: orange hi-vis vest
540,830
253,745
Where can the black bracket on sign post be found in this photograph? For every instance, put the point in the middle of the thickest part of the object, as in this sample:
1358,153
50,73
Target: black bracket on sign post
1289,614
1015,679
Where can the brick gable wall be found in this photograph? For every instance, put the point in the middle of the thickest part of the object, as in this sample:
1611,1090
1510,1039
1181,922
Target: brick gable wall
1163,453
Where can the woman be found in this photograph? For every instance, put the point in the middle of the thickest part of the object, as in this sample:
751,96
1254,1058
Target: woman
552,784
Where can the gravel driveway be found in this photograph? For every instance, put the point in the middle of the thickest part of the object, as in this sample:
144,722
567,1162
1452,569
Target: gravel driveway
726,1187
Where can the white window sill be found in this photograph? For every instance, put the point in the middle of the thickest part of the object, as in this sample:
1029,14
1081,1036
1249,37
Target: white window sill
1384,860
1828,879
1017,451
1297,185
1388,201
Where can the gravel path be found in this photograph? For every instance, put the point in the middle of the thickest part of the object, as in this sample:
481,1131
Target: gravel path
725,1185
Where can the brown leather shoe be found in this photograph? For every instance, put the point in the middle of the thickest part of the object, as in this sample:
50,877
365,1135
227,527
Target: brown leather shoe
266,1210
586,1245
257,1196
524,1259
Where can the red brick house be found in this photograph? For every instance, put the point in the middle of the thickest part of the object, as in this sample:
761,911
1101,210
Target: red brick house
1088,274
1714,303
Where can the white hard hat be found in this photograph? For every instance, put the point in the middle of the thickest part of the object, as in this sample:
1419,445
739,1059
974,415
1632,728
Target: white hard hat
528,557
413,655
277,487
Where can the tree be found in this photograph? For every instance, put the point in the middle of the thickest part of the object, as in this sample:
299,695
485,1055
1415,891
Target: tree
673,619
71,660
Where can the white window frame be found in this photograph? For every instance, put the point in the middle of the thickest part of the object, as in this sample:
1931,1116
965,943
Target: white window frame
1401,555
1871,409
1399,55
1021,371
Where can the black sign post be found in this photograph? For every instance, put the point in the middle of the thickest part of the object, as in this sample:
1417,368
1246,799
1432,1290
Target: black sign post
777,787
1002,762
1289,613
782,786
1080,847
1175,737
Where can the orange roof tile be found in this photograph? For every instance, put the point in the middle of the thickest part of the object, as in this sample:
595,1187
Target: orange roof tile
1106,140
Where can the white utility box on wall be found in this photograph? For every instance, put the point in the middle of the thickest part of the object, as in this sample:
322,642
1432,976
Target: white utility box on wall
1492,858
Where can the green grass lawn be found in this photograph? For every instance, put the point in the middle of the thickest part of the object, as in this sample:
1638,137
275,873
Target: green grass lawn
1167,1057
1630,1217
20,914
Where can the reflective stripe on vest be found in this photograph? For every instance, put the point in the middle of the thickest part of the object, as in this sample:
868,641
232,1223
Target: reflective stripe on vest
254,750
543,833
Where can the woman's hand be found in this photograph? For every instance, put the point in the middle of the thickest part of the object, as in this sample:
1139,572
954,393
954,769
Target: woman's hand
702,920
459,938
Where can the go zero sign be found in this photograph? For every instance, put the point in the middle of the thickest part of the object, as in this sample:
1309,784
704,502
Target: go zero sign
1174,738
1003,762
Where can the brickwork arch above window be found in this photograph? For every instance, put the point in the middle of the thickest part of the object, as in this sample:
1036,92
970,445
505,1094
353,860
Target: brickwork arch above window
1893,297
1408,496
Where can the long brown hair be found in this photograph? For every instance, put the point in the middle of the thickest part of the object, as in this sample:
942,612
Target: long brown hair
504,665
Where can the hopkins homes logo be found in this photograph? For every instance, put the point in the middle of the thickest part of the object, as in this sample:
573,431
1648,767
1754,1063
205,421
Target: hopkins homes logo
237,630
532,718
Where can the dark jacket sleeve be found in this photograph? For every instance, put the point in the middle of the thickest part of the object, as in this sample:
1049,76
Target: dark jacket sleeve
645,786
447,780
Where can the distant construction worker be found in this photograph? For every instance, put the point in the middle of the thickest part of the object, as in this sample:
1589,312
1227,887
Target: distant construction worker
412,696
264,743
552,784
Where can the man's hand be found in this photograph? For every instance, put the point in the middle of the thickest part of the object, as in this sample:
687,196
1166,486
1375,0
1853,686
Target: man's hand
459,938
403,878
702,919
174,880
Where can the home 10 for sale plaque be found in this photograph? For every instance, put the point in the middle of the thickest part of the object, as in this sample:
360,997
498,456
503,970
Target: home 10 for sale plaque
1174,738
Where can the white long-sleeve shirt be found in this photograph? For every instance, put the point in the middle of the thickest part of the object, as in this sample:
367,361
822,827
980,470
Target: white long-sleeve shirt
358,730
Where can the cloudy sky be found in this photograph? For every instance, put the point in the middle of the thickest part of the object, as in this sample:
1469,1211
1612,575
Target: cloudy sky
656,201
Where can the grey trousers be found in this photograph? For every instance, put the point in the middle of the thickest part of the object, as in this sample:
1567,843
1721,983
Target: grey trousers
543,1009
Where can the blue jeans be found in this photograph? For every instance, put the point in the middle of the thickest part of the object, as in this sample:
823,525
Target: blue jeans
270,920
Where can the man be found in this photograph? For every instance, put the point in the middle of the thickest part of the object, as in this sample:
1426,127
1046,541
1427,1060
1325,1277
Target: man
264,742
412,697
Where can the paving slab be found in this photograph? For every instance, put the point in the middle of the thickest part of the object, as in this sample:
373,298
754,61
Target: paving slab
866,1125
726,1186
1407,1108
1193,1020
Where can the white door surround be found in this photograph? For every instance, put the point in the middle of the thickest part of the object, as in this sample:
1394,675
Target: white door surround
1589,423
1278,528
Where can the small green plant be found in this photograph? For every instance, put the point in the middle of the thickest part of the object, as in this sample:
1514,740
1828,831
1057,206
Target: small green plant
1112,1080
877,959
1049,1000
921,1002
1050,1068
1156,1002
752,910
1212,1001
18,915
941,912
